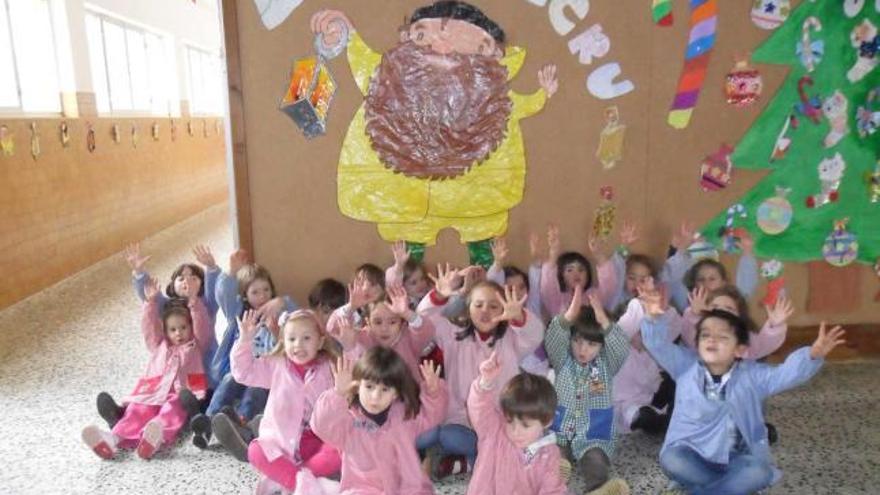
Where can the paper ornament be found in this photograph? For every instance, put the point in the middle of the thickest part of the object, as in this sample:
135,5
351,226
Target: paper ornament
783,142
701,42
770,14
35,141
834,108
730,235
830,174
308,96
90,137
743,85
868,115
702,249
610,149
809,106
7,141
864,38
715,170
852,7
772,272
841,247
154,131
661,12
64,134
603,220
774,214
872,179
808,51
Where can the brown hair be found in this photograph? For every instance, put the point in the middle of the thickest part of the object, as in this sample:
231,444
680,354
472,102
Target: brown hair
195,269
329,350
690,277
175,307
641,259
385,366
372,273
528,396
327,295
470,330
249,274
742,306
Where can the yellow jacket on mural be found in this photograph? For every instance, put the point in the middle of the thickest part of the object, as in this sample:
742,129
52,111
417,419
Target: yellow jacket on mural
414,209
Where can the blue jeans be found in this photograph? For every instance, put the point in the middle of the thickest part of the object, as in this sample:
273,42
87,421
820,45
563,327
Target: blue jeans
453,439
744,474
253,399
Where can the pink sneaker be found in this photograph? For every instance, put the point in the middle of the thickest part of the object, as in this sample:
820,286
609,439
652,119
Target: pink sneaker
151,439
101,442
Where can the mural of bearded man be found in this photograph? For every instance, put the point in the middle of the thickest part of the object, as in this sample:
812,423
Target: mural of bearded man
437,143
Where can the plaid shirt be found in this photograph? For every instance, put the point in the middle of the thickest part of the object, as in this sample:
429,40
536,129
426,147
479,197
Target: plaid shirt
264,341
585,416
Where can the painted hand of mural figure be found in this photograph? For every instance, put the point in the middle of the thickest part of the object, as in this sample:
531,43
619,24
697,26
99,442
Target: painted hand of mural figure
437,143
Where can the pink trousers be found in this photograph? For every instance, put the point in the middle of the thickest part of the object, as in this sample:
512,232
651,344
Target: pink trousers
321,459
130,427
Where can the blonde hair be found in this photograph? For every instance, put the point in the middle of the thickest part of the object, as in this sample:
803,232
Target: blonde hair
329,349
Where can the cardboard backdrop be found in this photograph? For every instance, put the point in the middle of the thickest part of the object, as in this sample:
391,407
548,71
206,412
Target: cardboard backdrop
287,200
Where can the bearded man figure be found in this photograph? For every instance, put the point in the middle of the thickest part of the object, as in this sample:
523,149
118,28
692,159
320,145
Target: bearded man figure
437,143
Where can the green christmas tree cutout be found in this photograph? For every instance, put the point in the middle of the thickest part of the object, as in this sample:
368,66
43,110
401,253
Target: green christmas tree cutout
789,139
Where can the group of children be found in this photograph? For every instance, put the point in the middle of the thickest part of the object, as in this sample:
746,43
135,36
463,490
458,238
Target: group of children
517,377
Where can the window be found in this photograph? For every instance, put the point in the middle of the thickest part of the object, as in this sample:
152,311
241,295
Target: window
205,82
27,46
132,68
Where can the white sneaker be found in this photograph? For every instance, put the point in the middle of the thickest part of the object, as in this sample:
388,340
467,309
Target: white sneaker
151,439
102,443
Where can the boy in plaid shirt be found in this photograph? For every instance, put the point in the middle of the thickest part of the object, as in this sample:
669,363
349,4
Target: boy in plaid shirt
586,349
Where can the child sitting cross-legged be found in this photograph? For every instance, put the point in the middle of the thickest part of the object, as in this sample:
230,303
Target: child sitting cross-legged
586,349
517,452
717,441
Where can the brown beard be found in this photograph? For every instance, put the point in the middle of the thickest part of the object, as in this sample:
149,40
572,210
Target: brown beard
435,122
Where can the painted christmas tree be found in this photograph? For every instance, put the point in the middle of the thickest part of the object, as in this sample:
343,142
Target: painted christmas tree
819,139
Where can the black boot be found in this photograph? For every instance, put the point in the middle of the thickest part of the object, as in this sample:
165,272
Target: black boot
201,427
772,434
232,435
650,421
109,409
190,403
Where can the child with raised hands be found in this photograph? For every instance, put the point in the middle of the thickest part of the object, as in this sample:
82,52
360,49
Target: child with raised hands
684,272
717,442
176,338
296,372
373,416
642,394
365,288
495,321
587,350
247,286
408,273
631,270
518,454
390,323
562,272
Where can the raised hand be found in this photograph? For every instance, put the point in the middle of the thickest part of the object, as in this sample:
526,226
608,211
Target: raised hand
746,243
237,259
629,234
699,299
401,254
780,312
574,308
684,237
331,24
597,246
358,292
399,300
499,251
431,375
248,323
547,79
446,280
599,311
134,259
489,370
471,276
204,256
271,310
651,298
342,374
536,251
554,248
348,334
512,305
151,289
827,341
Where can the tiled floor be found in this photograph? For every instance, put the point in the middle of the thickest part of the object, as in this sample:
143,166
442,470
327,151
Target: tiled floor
59,348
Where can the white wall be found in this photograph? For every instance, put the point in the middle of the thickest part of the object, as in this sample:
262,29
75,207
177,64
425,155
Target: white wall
187,23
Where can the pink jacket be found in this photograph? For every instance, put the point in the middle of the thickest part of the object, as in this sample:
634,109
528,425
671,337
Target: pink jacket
462,358
376,459
503,469
413,339
639,378
291,399
172,368
556,301
761,344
